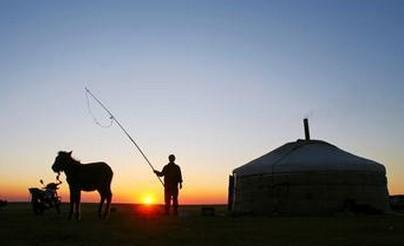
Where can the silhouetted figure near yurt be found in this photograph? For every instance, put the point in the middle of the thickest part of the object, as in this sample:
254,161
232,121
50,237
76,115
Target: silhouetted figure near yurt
172,178
86,177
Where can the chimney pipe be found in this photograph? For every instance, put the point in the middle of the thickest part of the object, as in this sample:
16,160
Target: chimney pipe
306,129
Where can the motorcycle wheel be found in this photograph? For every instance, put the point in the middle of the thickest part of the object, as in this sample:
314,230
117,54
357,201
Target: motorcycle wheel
37,208
57,206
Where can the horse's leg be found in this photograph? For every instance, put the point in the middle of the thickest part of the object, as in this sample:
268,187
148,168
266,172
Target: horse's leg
109,199
77,204
72,201
102,199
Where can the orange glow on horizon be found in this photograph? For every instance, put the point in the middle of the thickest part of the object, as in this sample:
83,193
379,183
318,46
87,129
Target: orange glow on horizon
142,193
154,197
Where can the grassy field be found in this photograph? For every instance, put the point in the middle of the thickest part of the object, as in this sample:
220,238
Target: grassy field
138,225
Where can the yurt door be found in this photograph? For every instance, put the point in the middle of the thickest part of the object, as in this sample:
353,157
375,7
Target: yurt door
231,192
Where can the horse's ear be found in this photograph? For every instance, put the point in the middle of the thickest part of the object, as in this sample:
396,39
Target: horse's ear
70,153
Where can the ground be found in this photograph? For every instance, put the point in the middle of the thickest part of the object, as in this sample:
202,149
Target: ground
141,225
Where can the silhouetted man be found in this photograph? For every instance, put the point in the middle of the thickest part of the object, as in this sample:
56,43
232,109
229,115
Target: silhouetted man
172,177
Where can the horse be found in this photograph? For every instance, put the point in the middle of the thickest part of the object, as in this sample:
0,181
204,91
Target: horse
86,177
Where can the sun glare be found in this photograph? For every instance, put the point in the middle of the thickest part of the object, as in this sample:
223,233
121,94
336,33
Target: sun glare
148,199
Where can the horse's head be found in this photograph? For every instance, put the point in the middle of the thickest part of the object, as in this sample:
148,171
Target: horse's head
63,159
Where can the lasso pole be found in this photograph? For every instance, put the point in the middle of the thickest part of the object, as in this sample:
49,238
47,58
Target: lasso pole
123,129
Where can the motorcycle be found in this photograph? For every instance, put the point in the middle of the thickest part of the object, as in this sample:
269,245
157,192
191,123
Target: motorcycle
46,197
3,203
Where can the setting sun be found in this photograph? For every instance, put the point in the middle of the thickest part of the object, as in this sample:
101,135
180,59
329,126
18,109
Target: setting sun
148,199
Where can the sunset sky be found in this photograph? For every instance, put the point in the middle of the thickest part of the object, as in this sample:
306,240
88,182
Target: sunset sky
217,83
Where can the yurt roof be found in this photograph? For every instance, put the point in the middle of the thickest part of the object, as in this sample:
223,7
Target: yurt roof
307,155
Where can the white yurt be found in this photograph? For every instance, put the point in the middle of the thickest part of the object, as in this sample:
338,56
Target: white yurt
308,177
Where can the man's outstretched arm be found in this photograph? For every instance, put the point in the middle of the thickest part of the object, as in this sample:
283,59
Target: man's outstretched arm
162,173
158,173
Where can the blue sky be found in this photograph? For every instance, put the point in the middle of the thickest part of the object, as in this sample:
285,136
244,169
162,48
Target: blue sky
216,82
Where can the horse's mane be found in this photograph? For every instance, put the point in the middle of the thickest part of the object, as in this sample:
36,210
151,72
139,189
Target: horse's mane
68,155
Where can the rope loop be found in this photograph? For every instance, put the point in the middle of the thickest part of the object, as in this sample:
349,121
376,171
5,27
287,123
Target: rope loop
96,121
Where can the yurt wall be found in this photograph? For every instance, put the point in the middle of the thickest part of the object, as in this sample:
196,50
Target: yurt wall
310,193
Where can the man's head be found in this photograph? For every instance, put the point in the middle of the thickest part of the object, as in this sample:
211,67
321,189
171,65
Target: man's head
171,158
